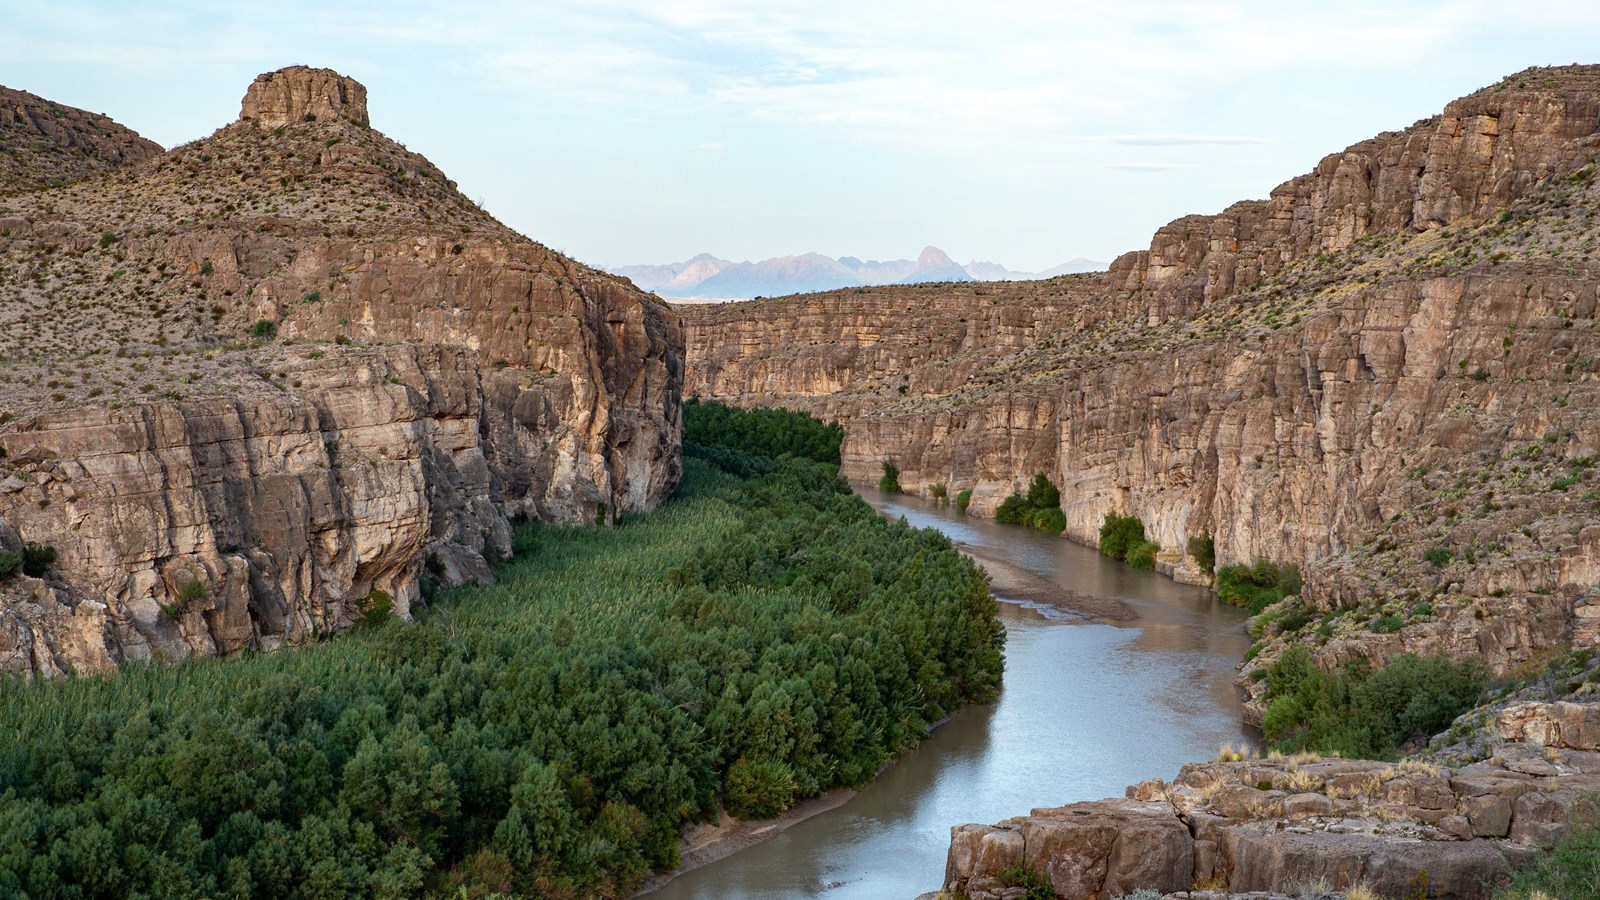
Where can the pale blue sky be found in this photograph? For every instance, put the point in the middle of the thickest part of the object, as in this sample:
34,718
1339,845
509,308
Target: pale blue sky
629,132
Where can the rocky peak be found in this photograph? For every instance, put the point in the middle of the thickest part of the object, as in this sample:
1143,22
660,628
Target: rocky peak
298,93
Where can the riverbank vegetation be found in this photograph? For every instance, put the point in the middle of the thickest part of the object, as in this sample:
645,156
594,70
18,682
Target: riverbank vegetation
760,639
1361,712
1040,508
1258,586
1122,537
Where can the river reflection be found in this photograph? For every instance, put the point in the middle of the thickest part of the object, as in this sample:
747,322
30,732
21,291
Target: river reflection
1086,710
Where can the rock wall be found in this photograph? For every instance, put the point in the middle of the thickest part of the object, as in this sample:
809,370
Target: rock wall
295,415
1285,825
1272,375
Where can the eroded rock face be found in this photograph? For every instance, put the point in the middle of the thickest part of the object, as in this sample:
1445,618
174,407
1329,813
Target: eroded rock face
301,93
1273,827
1337,376
278,421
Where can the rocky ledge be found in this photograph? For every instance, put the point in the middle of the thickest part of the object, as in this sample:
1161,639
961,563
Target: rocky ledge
1253,827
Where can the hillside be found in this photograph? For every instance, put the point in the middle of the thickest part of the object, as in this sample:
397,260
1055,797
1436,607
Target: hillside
272,377
44,144
1394,354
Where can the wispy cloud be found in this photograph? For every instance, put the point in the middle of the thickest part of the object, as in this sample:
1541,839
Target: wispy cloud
1148,166
1172,140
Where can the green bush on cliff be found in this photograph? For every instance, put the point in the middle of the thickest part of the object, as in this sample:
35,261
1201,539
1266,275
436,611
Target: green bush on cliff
964,500
1013,510
755,641
1051,520
1040,508
1357,711
890,481
1143,556
1259,586
10,562
1043,493
1120,534
1203,549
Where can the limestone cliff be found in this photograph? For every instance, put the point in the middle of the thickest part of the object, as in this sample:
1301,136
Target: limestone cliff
274,378
1395,353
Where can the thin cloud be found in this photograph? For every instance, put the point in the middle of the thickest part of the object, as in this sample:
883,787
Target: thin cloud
1174,140
1148,166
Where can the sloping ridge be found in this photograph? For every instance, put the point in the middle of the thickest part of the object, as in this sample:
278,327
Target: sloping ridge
44,144
286,374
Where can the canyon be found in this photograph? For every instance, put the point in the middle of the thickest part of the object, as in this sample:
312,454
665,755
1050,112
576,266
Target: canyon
274,381
1341,376
1387,373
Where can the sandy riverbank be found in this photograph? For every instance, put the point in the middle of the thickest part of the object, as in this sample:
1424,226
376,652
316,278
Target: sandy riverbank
706,843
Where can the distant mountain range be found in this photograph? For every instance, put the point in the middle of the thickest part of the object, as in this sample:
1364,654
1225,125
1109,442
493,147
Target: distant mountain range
708,277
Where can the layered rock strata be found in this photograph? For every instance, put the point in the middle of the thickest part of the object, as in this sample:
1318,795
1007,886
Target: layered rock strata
1280,826
1338,376
275,380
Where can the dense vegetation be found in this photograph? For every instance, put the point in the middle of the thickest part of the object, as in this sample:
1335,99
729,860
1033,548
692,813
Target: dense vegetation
754,642
1259,586
1122,537
1040,507
1357,711
771,433
1571,869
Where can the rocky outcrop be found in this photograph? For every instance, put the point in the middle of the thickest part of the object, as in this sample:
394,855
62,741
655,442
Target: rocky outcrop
298,414
303,94
44,143
1279,826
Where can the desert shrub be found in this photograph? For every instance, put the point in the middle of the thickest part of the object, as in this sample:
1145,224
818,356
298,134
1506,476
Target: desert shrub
769,433
192,591
377,608
10,562
1143,555
1388,624
891,477
1052,520
939,492
1439,556
1034,882
1120,534
1361,712
1203,549
264,328
964,500
1570,869
37,559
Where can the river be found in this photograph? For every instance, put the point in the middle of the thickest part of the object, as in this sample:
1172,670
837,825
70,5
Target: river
1086,710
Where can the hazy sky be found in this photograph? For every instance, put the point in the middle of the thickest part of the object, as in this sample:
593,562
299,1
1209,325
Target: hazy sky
627,132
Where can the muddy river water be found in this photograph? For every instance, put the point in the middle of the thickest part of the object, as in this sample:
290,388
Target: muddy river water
1086,710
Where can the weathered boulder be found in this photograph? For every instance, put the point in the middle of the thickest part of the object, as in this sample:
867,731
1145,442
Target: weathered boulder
1563,724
